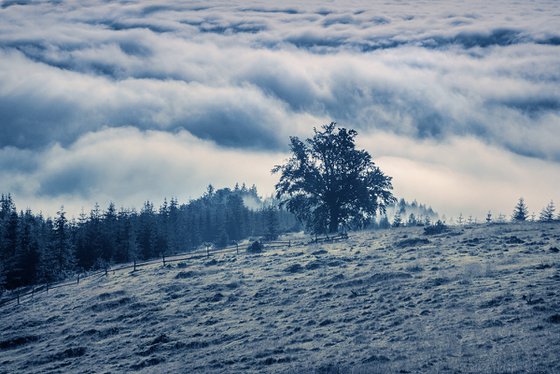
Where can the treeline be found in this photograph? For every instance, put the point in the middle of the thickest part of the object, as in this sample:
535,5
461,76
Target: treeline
406,213
36,249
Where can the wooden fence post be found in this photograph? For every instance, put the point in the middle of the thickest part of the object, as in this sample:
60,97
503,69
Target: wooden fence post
163,255
78,280
207,250
106,270
237,247
134,265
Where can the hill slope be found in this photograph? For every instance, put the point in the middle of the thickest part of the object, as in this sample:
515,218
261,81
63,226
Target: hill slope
481,299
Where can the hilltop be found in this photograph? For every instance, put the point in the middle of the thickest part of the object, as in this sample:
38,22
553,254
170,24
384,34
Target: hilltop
473,299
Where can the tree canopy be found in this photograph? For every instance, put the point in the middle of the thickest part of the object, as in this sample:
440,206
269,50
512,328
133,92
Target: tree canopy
328,182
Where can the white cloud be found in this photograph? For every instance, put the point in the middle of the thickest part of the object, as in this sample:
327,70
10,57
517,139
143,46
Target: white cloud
128,167
463,175
242,77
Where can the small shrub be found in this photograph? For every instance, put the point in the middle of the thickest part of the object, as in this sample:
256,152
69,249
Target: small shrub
255,247
295,268
437,228
411,242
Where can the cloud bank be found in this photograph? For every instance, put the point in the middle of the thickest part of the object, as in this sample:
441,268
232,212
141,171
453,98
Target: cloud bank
100,99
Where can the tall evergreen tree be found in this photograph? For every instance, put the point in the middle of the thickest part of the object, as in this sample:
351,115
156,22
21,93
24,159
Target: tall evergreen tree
145,234
397,220
271,223
547,214
108,233
29,247
234,217
61,245
520,213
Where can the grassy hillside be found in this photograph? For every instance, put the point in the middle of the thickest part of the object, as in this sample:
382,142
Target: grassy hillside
480,299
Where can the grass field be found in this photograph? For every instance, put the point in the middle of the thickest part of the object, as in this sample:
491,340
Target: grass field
481,299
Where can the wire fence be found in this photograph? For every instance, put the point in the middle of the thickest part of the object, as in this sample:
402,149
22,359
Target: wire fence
29,293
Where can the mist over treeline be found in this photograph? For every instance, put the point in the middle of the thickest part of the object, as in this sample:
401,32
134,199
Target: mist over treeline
404,213
36,249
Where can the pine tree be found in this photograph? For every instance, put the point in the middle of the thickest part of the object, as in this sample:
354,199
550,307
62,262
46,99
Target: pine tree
109,233
173,226
271,223
384,222
397,221
29,247
234,217
61,245
145,234
412,220
547,214
12,251
520,212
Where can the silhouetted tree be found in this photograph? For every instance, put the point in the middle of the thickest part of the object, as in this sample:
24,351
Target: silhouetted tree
397,221
547,214
28,249
271,223
327,181
34,249
109,233
520,212
61,245
411,220
384,222
145,234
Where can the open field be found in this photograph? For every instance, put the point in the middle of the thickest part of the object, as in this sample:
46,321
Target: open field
482,299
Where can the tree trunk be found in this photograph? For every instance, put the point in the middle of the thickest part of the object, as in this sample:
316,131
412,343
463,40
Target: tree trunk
333,219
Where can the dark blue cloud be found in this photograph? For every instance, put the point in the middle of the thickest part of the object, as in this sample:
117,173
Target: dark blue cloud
290,11
234,128
29,122
9,3
76,180
231,28
531,105
175,42
134,24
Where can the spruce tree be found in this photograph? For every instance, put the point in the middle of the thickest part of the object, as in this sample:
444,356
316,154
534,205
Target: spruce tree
271,223
547,214
397,221
62,247
520,213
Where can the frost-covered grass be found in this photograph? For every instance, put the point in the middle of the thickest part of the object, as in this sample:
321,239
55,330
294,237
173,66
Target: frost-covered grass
484,299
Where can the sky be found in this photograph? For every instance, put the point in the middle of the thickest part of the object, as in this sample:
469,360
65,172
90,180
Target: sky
127,101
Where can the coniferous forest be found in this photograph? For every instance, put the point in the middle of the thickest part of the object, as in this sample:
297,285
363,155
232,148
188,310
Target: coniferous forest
35,249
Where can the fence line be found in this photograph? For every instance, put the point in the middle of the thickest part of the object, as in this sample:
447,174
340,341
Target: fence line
192,255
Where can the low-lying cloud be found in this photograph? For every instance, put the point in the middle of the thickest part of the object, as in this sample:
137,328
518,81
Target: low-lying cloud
242,77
